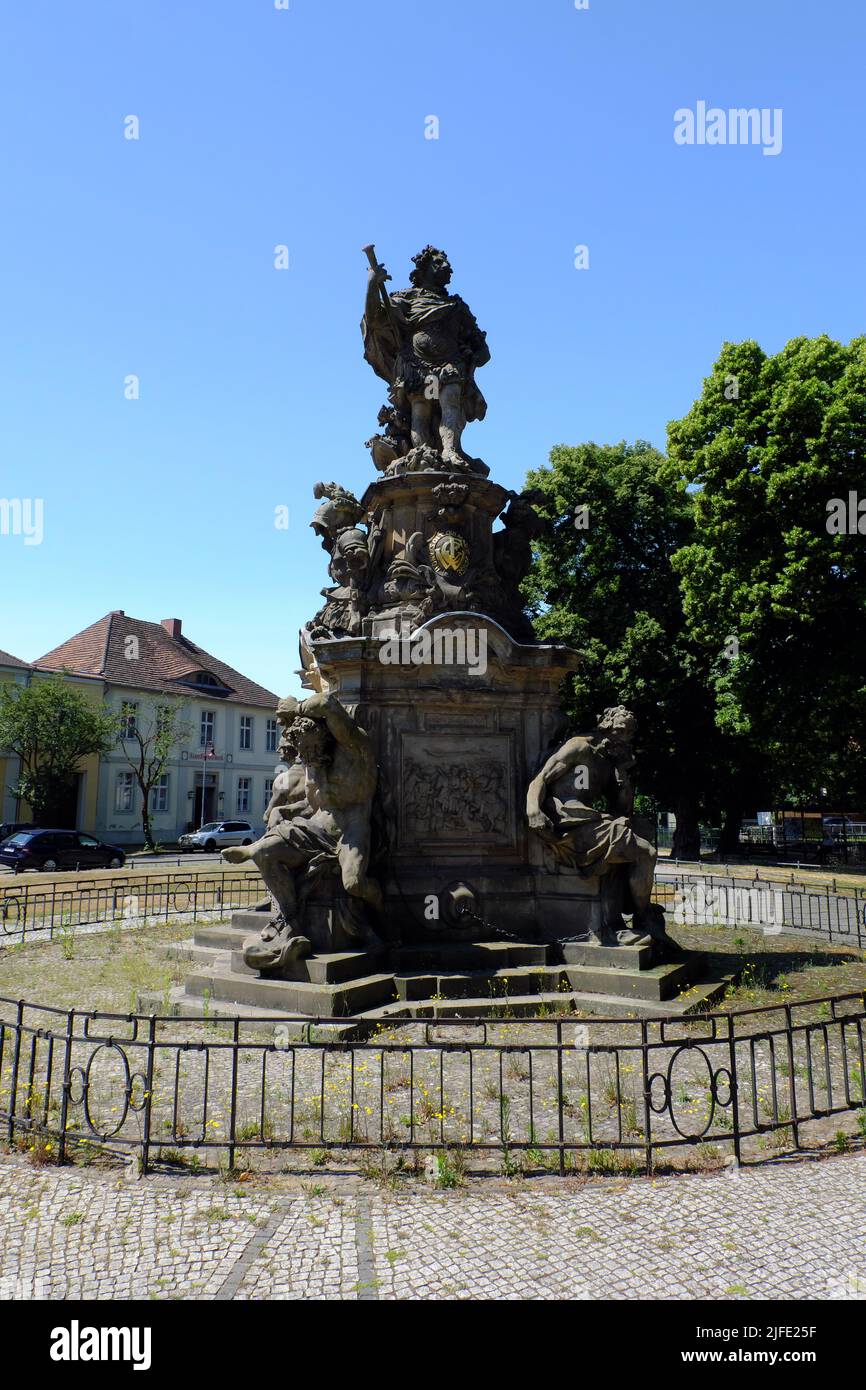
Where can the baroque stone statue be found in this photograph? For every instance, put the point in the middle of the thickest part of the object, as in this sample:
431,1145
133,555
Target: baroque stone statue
425,342
336,522
318,819
395,440
585,769
410,821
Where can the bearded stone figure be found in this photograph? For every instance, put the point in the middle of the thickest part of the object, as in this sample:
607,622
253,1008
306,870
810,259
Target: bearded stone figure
561,808
318,819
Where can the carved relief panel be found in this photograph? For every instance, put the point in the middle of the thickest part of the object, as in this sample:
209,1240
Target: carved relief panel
457,789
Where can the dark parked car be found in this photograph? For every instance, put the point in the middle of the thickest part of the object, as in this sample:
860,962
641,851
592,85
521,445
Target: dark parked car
58,849
8,828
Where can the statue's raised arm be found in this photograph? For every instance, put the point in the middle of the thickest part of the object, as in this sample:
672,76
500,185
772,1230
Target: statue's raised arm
381,327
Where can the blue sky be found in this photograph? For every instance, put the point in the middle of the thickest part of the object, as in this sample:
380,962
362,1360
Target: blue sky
306,128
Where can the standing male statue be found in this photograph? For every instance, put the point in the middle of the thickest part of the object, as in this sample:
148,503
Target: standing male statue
593,767
427,345
318,817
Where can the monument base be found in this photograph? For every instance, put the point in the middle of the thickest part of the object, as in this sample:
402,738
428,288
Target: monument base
440,979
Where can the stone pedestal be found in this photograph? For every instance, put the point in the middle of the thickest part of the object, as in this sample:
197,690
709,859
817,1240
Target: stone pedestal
461,715
444,979
456,748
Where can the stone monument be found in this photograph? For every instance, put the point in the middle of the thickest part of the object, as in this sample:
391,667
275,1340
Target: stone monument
433,844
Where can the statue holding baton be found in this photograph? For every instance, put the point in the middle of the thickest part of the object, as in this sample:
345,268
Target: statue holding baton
426,344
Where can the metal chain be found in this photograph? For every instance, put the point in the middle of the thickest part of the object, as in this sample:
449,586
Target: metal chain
490,926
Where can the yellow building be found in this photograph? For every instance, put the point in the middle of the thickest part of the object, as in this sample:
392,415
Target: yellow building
223,767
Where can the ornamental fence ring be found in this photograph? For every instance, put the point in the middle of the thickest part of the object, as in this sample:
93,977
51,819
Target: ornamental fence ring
74,1072
136,1078
186,886
107,1047
691,1049
4,913
665,1105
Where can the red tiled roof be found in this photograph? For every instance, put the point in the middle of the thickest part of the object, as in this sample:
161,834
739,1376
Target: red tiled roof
7,660
162,663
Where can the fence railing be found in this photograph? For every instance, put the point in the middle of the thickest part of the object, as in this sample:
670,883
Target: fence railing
711,900
32,910
559,1093
808,843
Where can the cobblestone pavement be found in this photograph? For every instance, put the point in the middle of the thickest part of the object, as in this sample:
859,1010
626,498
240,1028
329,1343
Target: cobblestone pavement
785,1231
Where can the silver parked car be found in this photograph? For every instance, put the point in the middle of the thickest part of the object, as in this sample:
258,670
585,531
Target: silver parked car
217,834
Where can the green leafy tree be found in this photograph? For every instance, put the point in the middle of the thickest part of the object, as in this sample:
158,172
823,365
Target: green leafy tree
603,583
52,727
147,747
774,589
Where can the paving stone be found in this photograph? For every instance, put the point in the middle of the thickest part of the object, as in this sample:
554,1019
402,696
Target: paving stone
793,1230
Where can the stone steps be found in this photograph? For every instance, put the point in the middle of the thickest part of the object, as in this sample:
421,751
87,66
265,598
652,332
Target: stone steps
527,1005
332,968
304,997
635,957
183,1005
433,979
222,937
460,956
701,996
659,983
527,979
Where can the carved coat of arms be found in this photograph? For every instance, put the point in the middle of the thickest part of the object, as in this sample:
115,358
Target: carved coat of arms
449,553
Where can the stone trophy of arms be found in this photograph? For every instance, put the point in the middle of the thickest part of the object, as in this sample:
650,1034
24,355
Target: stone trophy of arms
426,344
318,819
561,807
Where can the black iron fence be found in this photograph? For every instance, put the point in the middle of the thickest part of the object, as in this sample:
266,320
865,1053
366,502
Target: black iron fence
563,1093
714,900
31,909
808,836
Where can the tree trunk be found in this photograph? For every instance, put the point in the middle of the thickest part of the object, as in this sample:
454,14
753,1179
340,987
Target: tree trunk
145,823
729,840
687,835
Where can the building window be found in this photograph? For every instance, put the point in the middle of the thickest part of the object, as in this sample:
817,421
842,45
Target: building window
244,794
269,791
127,719
123,791
246,731
271,736
160,794
206,729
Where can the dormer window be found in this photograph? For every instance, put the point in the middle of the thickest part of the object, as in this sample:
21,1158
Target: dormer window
206,680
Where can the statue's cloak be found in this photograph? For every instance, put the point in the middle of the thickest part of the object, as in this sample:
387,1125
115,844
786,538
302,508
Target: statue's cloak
389,351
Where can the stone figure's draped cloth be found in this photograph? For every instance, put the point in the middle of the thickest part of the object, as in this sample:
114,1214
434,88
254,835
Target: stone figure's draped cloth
433,334
584,838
